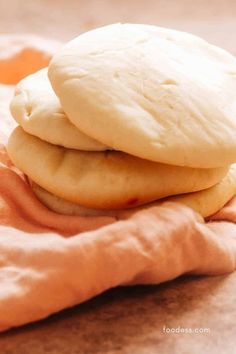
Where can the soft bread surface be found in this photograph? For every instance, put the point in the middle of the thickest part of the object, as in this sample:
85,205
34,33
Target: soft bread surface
62,206
206,202
155,93
37,109
105,180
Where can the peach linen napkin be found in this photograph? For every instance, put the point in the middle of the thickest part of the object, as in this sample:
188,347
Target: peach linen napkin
49,262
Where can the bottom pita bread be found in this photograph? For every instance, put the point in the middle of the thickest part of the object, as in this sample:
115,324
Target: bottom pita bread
206,202
103,180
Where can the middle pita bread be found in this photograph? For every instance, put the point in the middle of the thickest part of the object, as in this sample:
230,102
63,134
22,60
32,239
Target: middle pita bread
37,109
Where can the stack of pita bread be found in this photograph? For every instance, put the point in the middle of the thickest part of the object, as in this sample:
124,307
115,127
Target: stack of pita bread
126,115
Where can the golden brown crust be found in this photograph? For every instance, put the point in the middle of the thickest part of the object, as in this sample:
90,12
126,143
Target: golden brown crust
206,202
103,180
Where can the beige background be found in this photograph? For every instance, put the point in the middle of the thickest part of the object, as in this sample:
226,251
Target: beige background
64,19
131,320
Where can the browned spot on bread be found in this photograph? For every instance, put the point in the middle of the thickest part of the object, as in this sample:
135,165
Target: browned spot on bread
132,201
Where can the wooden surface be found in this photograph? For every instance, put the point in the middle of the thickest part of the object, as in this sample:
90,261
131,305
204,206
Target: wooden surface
131,320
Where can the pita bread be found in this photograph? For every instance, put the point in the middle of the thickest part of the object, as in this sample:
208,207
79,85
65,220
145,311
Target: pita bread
206,202
155,93
62,206
211,200
37,109
105,180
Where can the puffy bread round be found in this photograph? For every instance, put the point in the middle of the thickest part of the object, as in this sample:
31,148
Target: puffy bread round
62,206
155,93
37,109
103,180
206,202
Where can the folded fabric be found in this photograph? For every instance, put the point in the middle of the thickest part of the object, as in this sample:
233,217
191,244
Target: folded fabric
49,262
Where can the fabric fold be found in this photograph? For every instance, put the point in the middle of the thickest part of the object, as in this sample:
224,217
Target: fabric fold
44,273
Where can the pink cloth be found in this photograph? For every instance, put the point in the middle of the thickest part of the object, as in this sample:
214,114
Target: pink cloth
49,262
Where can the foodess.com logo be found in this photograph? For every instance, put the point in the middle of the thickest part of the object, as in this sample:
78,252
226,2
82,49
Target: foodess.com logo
186,330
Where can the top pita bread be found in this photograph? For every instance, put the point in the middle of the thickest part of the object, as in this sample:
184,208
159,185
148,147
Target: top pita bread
158,94
37,109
